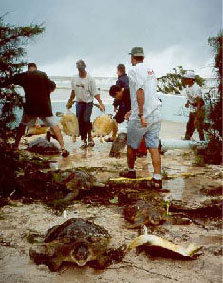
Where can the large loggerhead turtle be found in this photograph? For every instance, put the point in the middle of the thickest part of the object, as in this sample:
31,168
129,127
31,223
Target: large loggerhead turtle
69,124
104,125
76,241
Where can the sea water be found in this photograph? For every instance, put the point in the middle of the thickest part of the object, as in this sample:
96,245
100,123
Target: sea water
173,108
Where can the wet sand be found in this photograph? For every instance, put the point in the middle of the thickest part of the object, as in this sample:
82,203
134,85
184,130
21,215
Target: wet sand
18,221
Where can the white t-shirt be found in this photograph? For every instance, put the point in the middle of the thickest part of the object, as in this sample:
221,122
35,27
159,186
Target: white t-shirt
142,76
192,93
84,88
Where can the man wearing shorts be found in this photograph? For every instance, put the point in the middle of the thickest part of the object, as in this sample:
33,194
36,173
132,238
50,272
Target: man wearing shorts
145,117
37,87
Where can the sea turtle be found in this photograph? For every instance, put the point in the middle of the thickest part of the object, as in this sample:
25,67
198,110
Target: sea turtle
69,124
148,212
74,180
36,131
118,144
77,241
157,246
104,125
42,146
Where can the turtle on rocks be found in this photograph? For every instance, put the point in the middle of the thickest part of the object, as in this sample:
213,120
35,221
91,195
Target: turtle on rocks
118,144
104,125
76,241
42,146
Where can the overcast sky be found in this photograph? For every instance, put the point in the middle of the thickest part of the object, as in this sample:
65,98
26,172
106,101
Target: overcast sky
102,32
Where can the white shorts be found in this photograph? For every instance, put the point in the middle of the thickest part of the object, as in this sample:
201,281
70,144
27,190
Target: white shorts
29,121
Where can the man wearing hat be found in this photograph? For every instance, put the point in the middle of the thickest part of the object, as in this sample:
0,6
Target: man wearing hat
84,90
196,105
145,117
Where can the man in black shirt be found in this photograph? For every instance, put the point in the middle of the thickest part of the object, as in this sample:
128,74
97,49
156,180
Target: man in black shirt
37,87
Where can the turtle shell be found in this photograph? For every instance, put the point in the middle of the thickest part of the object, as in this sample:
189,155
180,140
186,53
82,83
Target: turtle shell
103,125
76,229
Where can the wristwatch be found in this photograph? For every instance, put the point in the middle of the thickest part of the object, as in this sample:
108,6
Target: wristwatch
140,115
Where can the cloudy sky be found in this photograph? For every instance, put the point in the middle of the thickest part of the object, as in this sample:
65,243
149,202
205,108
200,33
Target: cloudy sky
102,32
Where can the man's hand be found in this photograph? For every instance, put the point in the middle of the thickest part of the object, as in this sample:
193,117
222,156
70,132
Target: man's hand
143,122
102,107
127,115
69,104
187,104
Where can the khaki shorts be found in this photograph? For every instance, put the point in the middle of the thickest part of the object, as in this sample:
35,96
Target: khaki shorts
29,121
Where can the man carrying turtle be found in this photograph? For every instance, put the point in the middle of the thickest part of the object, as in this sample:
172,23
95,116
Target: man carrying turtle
84,90
145,117
37,87
196,106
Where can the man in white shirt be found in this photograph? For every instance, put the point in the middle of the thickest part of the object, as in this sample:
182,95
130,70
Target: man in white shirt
196,105
145,117
84,89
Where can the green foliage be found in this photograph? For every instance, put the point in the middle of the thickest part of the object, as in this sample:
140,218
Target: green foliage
173,82
212,154
13,40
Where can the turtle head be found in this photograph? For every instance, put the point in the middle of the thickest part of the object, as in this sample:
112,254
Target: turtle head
80,254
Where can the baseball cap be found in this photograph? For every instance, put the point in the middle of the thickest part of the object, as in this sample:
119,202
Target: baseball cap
137,51
189,75
80,64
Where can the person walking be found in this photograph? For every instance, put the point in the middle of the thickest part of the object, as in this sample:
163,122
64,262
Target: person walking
145,117
84,90
37,87
195,103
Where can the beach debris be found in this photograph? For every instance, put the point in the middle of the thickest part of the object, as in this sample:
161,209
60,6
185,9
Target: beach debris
69,124
157,246
104,125
118,144
42,146
148,212
76,241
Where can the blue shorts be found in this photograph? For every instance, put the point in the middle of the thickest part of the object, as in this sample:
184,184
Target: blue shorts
135,133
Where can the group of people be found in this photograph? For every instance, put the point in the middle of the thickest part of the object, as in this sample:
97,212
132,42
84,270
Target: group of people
135,100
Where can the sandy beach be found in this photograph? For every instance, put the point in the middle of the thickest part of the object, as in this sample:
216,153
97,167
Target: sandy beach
19,220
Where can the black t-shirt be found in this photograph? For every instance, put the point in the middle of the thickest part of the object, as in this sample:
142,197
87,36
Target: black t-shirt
37,87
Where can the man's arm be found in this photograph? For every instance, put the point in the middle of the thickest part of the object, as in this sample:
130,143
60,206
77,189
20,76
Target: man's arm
70,100
140,101
101,105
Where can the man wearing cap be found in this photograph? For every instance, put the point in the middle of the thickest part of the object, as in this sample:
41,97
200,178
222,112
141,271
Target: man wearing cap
195,103
84,89
145,117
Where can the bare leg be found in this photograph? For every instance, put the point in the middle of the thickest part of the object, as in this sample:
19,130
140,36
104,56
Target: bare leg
20,133
131,157
58,135
156,160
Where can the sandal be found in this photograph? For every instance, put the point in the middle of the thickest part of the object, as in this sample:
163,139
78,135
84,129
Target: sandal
65,153
91,143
